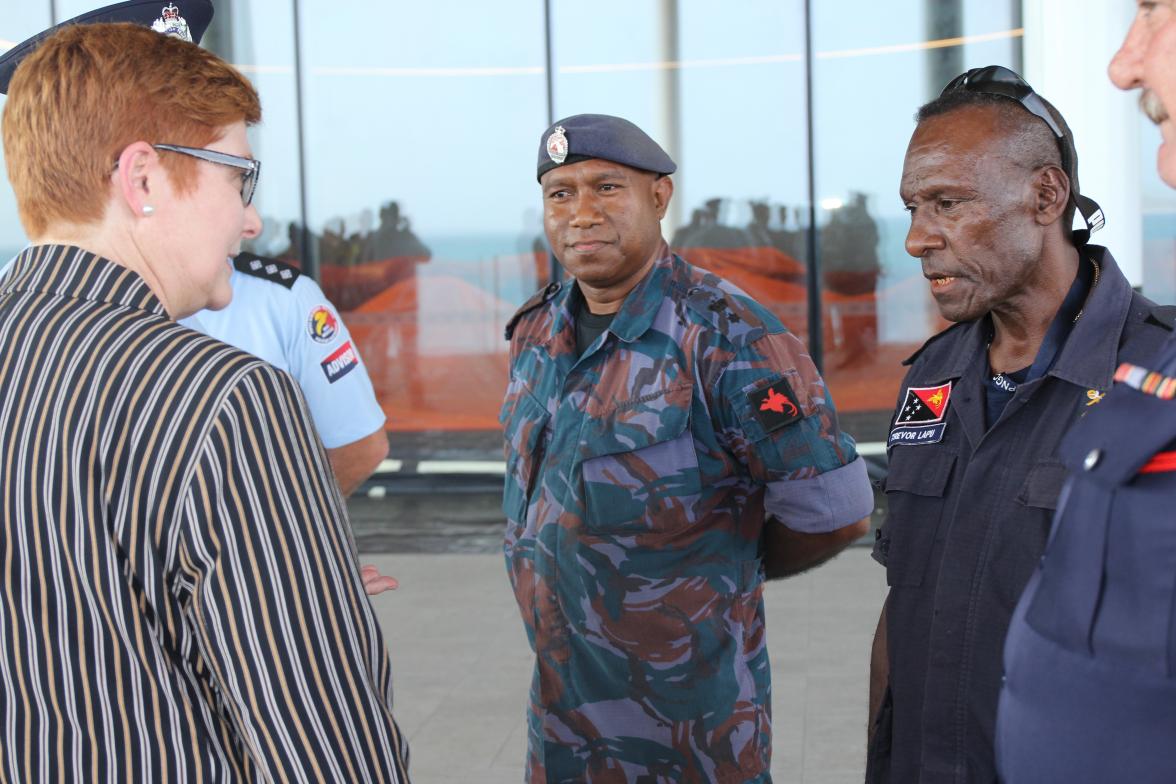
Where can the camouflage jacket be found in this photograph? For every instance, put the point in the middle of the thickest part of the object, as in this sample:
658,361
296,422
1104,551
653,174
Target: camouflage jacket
638,480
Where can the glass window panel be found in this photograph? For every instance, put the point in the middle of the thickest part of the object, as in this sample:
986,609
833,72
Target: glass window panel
258,38
1159,220
421,131
17,22
21,20
721,87
872,71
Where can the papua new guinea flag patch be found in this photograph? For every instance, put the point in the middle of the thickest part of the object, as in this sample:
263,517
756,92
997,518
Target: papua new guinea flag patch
920,420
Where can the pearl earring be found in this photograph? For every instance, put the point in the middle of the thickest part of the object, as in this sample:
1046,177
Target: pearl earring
148,209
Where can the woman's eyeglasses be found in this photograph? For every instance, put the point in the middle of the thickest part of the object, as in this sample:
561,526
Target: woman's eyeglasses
250,166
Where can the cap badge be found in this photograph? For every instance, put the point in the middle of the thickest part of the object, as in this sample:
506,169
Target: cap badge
171,23
557,145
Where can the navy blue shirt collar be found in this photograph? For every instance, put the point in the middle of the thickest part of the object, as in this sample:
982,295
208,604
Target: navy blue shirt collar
1088,357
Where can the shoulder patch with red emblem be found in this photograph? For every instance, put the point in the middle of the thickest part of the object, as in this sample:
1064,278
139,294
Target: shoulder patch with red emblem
775,405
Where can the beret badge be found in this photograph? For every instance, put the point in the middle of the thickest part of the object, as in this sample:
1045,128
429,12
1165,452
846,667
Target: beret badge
171,23
557,145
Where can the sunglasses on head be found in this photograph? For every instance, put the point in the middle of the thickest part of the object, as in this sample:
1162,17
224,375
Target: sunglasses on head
998,80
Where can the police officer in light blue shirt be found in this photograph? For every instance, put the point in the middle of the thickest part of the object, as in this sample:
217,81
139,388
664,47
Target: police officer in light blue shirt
282,316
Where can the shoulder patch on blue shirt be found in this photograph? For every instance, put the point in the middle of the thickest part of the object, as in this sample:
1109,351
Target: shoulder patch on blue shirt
272,270
341,361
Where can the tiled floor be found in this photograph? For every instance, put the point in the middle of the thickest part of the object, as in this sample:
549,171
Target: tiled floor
462,667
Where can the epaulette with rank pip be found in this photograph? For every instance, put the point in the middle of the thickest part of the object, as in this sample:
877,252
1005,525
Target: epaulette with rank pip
272,270
726,312
540,297
911,359
1164,315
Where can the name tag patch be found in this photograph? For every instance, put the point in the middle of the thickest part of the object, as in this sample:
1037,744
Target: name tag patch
928,434
341,362
920,419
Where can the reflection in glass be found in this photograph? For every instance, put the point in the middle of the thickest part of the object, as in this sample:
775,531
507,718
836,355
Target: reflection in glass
850,272
721,87
17,22
757,245
420,140
419,199
258,38
871,74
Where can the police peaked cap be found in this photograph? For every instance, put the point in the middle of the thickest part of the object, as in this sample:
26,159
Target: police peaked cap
582,137
197,13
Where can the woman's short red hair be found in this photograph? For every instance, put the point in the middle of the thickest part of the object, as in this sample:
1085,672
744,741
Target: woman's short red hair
87,92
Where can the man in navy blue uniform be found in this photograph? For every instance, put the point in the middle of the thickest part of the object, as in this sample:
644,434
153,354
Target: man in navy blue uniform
1043,319
1090,660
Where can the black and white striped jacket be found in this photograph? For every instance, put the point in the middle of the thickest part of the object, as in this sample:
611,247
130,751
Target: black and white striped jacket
179,593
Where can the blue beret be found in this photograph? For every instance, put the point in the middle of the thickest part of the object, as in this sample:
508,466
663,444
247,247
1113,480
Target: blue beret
188,21
586,136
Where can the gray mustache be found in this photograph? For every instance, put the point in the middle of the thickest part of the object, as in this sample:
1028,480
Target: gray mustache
1152,107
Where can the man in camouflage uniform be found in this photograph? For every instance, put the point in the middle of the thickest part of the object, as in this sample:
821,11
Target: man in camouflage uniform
656,417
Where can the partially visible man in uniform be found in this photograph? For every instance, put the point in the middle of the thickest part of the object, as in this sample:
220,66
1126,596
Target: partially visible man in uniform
667,439
282,316
1043,319
1090,694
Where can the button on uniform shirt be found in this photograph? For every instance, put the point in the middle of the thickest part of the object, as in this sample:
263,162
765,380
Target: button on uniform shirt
1090,694
969,513
282,316
179,594
640,477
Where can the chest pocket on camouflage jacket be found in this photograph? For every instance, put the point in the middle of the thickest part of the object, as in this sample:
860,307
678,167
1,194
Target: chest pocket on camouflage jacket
639,465
524,421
